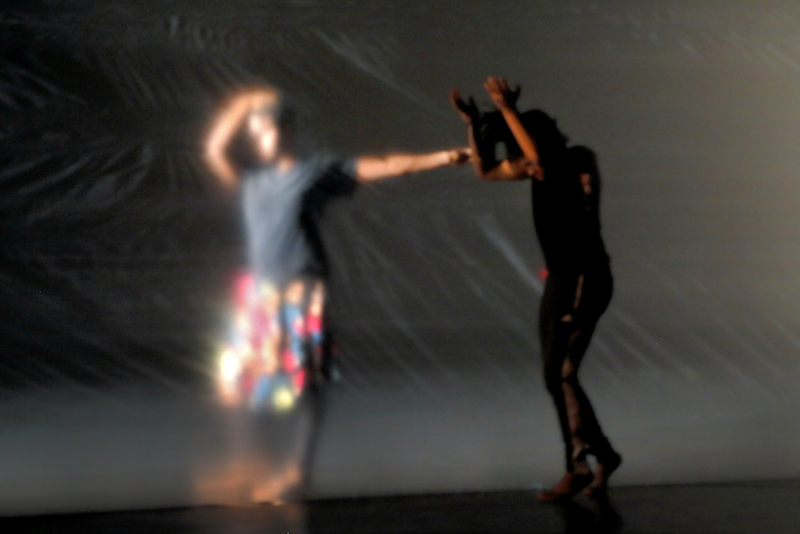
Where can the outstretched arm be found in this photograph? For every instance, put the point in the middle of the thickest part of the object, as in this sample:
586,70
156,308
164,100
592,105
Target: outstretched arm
369,168
224,127
504,99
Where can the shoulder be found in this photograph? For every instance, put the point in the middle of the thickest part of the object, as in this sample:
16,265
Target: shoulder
327,165
325,161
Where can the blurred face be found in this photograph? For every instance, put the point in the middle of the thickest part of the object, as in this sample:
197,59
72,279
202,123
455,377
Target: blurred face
264,131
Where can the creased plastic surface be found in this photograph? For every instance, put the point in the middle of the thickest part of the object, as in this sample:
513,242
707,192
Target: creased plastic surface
117,247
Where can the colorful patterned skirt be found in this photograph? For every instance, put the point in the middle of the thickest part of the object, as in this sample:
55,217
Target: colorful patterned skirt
274,346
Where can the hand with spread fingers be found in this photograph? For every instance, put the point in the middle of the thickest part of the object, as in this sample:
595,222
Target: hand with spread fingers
468,111
502,95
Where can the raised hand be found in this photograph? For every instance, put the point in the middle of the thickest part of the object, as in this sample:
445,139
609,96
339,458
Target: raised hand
227,122
502,95
468,111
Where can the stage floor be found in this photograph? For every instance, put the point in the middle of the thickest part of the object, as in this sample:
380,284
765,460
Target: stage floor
758,507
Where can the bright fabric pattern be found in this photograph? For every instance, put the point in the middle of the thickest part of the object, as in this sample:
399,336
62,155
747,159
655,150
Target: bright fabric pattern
274,343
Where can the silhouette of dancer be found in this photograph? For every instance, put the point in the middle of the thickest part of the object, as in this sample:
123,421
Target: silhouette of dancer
565,193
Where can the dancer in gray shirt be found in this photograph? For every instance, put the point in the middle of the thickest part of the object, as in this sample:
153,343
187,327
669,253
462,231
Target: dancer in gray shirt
279,344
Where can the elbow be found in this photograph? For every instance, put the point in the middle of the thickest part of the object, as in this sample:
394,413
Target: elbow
213,158
222,170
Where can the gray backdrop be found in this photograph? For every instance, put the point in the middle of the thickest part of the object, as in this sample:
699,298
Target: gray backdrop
117,246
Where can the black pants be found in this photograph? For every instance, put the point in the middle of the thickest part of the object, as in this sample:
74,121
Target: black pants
572,304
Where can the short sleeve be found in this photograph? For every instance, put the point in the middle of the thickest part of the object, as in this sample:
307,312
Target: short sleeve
333,178
337,179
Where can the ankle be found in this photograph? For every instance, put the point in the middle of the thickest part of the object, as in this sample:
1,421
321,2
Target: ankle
610,461
581,468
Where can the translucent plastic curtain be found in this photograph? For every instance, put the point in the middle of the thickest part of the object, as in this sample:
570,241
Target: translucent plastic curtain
118,248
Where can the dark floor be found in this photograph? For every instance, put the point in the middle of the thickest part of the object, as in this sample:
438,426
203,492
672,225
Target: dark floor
757,507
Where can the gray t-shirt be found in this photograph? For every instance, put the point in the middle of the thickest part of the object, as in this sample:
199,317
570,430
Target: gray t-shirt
282,210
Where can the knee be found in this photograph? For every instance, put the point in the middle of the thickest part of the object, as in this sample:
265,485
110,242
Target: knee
557,373
553,377
567,370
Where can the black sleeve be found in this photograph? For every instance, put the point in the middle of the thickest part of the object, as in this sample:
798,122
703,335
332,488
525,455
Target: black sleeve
338,180
335,181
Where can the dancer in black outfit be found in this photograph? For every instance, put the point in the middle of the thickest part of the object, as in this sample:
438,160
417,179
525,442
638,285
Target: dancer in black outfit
565,189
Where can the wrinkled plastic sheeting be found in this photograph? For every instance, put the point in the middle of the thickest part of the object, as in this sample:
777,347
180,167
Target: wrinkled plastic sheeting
117,247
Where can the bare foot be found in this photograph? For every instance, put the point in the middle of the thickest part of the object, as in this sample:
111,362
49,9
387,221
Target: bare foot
570,485
604,471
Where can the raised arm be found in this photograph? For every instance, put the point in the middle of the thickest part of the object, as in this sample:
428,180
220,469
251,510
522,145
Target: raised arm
370,168
224,127
505,99
506,170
